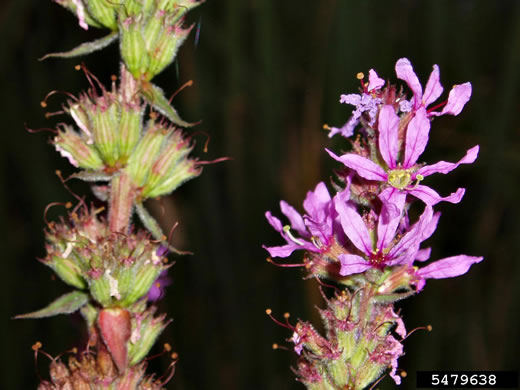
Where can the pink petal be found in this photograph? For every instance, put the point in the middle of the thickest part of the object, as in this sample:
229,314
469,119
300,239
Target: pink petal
363,166
390,210
423,254
432,226
413,237
282,251
67,155
353,226
457,99
404,71
294,217
448,267
445,167
274,222
315,201
433,87
352,264
353,99
80,12
387,224
388,139
374,81
417,135
431,197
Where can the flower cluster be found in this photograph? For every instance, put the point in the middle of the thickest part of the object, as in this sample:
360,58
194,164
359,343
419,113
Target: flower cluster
362,237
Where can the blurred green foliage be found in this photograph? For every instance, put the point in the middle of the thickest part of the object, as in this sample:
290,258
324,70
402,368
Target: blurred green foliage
267,75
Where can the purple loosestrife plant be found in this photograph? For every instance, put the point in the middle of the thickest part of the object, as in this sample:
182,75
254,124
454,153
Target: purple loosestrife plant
361,237
128,142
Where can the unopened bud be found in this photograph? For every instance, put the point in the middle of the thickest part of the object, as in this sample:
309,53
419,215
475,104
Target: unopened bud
129,130
104,12
105,123
69,272
141,161
186,170
165,50
146,329
133,46
86,156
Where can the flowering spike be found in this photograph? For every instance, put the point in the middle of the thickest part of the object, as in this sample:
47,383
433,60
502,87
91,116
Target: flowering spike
363,239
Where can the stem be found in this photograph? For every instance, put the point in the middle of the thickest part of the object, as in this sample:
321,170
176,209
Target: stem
121,203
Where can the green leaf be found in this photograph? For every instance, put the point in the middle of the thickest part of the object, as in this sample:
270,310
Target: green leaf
85,48
155,97
65,304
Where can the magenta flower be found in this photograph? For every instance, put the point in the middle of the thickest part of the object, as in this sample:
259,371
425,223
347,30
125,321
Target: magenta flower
158,289
403,175
366,102
458,96
315,228
378,245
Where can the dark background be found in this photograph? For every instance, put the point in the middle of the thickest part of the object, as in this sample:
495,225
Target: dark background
268,75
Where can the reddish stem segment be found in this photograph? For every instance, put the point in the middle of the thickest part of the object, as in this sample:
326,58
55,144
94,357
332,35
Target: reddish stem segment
122,197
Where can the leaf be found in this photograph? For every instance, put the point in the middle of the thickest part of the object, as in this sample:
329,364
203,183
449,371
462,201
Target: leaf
65,304
91,176
155,97
153,227
85,48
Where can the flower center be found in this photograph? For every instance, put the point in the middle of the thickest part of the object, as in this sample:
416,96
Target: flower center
399,178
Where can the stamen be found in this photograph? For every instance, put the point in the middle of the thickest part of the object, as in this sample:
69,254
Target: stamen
287,230
276,346
376,382
442,104
317,242
286,316
269,260
428,327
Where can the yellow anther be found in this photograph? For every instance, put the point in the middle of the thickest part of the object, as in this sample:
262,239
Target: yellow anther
360,76
399,178
36,346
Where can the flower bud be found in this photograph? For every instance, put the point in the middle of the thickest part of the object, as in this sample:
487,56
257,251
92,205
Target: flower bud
141,161
145,331
105,123
68,271
165,49
175,150
133,46
77,149
104,12
103,288
186,170
130,124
